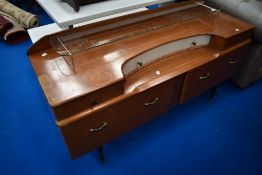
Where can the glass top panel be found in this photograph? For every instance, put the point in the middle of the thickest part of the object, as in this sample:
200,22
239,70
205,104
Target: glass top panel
69,44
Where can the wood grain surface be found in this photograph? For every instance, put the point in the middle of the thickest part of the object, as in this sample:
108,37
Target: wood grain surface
94,102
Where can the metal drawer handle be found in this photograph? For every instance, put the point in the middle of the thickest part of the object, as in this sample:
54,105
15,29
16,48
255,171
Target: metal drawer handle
239,38
204,77
98,129
151,103
194,43
93,101
234,61
139,64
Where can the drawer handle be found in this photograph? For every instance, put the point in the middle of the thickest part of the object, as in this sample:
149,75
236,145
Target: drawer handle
239,38
93,101
98,129
204,77
151,103
139,64
233,61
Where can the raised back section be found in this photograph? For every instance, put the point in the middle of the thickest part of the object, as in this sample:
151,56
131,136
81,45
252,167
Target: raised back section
80,40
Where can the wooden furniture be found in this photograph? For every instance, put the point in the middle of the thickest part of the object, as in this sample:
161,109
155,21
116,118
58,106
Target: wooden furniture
75,4
104,79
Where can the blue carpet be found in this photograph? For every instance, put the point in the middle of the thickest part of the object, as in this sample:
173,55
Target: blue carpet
218,137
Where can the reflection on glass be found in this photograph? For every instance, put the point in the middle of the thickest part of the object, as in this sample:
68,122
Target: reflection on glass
70,43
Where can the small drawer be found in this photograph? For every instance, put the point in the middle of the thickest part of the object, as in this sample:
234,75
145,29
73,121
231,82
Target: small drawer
199,80
115,119
238,39
221,43
231,62
88,101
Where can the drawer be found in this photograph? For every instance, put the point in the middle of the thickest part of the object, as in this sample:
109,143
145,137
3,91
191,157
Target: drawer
233,61
88,101
106,124
199,80
232,41
209,75
221,43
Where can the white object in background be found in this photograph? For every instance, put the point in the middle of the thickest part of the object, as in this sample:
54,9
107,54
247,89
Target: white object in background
39,32
64,15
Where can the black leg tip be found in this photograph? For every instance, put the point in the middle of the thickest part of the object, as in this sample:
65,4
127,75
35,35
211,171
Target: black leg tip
100,152
101,160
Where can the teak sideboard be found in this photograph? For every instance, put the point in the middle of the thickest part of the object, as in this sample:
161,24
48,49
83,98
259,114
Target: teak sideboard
104,79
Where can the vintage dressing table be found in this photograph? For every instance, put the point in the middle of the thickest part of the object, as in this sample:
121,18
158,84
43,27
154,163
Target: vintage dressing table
104,79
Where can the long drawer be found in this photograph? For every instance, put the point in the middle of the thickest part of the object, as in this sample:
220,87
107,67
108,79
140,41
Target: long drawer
106,124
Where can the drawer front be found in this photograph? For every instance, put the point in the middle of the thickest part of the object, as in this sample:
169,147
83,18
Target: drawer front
209,75
88,101
238,38
199,80
221,43
232,62
104,125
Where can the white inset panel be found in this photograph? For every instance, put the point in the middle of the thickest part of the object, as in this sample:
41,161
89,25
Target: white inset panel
165,49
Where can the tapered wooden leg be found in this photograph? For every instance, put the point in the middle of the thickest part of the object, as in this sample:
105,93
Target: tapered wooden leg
212,93
100,152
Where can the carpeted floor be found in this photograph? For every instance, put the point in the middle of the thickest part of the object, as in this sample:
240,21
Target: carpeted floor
218,137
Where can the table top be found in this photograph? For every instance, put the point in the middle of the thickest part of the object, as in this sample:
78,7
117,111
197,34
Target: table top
64,15
87,69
